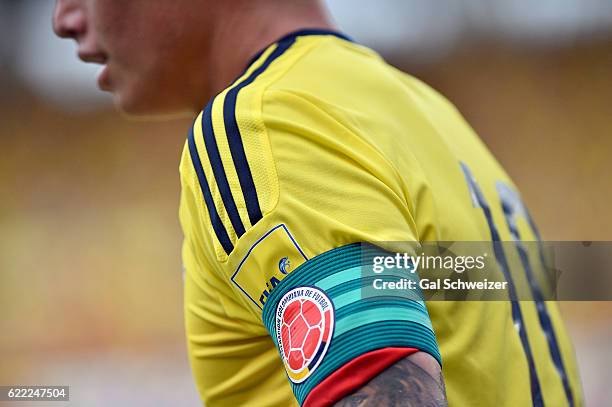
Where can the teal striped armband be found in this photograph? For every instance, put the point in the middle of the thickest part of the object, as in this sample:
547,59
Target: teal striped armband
328,311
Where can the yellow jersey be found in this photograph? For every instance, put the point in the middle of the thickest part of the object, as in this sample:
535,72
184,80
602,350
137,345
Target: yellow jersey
319,147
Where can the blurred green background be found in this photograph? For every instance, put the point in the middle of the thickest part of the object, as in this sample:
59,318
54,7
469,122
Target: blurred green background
90,270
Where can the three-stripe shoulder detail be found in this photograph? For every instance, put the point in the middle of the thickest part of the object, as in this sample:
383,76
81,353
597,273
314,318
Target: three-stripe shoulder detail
235,139
239,160
215,219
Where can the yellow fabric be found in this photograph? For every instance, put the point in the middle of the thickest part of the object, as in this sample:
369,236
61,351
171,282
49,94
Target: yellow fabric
344,148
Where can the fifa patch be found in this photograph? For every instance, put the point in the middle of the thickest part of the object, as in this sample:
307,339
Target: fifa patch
271,258
304,328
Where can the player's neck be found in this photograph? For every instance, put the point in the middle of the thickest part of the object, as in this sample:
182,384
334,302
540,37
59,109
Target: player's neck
236,42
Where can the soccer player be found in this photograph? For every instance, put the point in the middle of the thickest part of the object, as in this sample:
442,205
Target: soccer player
306,146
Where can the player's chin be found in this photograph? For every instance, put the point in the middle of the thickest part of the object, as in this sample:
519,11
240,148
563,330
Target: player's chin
132,106
137,104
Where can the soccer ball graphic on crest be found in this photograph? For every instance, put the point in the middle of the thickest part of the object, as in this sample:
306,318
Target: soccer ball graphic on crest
301,333
304,329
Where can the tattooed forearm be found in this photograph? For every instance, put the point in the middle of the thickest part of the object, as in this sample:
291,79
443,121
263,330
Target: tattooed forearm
413,381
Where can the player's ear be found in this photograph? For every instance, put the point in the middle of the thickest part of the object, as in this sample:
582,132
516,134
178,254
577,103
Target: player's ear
68,19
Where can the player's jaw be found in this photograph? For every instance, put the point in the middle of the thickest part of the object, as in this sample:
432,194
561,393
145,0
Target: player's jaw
142,89
139,64
116,74
140,86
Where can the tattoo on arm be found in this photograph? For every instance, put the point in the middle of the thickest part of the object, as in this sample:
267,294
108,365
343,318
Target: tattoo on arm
413,381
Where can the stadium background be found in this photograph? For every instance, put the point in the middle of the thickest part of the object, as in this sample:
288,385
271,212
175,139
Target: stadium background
90,271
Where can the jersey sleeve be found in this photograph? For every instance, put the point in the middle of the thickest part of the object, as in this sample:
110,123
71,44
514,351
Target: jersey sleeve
293,210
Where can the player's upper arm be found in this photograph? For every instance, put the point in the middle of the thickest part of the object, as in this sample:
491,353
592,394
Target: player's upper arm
414,381
291,200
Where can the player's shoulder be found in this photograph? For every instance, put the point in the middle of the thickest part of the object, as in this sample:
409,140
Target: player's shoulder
227,166
235,121
267,132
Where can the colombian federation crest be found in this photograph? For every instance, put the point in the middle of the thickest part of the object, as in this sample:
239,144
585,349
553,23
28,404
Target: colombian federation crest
304,327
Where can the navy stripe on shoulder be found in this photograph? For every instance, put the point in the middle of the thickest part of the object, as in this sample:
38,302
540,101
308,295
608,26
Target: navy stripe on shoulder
235,139
219,172
215,220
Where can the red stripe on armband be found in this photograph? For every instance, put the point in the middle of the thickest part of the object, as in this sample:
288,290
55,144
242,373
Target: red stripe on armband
354,375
